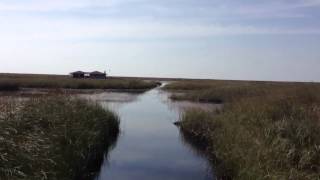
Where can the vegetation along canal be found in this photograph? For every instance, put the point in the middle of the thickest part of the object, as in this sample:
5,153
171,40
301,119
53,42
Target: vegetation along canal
150,146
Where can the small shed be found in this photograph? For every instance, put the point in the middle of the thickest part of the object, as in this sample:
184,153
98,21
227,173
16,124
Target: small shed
77,74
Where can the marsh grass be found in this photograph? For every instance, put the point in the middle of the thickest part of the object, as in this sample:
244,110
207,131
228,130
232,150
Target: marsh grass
16,81
218,91
53,138
270,131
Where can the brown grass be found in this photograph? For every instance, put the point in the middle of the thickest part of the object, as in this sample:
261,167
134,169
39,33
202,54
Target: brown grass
53,138
265,130
15,81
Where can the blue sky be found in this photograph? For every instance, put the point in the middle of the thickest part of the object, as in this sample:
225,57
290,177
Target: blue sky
221,39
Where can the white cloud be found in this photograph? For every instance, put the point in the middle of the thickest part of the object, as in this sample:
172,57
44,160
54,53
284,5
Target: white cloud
309,3
274,9
56,5
165,5
38,29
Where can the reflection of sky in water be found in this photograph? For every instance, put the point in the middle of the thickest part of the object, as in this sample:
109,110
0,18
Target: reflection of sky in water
181,106
150,146
111,96
111,100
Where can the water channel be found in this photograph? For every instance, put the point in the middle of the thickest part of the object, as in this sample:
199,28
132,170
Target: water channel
150,146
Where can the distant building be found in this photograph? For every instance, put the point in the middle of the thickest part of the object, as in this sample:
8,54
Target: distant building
97,75
78,74
90,75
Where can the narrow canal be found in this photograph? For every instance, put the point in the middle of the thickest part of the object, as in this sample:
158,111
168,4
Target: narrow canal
150,147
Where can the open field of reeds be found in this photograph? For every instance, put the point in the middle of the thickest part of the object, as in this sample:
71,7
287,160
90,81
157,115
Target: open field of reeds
54,138
219,91
11,82
266,130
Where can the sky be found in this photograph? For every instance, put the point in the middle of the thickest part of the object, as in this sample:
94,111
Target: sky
219,39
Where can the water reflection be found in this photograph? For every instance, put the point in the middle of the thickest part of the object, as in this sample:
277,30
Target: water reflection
199,148
111,100
181,106
91,167
150,146
111,97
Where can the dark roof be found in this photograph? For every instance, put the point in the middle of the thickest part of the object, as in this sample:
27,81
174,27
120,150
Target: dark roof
78,72
97,72
94,72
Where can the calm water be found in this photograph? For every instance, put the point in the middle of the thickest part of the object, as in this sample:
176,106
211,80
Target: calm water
150,147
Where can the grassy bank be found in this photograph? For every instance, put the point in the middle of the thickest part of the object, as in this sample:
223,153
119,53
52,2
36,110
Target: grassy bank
16,81
218,91
53,138
265,130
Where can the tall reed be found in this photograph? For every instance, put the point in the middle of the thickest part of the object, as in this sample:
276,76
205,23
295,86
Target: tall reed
266,130
53,138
